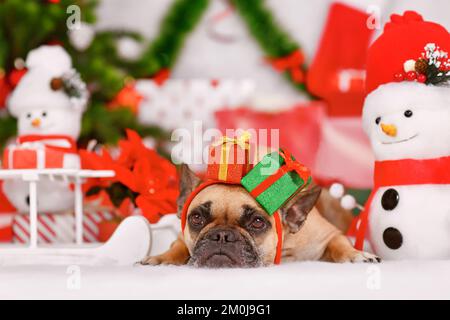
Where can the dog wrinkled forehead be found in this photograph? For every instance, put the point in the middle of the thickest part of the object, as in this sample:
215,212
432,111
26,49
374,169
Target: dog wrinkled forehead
224,200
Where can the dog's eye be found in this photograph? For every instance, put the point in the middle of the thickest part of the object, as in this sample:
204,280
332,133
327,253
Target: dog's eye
196,220
258,223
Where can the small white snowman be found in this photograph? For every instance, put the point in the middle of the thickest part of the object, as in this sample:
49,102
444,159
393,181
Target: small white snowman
48,102
407,117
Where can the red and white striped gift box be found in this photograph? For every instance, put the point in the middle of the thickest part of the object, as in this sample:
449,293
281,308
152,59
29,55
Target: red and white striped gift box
59,228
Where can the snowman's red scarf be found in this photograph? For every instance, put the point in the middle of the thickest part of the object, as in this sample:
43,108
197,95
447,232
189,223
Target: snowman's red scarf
401,173
36,137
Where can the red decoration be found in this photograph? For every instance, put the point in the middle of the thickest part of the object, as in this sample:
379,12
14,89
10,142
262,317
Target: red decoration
404,38
338,70
127,97
411,75
6,234
5,205
4,90
143,171
399,77
106,229
15,76
32,159
59,227
49,156
422,78
292,64
161,76
286,130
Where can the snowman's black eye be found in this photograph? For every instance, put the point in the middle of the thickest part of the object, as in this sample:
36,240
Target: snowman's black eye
28,115
378,120
408,113
44,114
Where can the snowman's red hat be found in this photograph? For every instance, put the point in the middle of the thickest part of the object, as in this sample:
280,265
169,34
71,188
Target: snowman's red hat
404,52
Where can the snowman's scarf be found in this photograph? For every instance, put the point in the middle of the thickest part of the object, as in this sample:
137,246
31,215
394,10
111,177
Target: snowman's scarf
401,173
44,138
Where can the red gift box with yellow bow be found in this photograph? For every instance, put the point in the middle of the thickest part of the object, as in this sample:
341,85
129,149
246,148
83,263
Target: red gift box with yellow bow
229,159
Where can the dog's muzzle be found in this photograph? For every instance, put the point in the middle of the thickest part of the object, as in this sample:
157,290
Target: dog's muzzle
224,247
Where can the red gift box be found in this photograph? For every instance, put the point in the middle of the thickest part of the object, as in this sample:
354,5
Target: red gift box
22,158
229,159
6,234
59,227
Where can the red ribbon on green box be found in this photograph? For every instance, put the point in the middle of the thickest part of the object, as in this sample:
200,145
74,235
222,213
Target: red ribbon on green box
275,179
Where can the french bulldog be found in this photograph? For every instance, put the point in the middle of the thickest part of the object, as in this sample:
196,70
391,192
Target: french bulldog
226,227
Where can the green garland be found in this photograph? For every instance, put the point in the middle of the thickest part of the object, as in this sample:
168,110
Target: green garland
184,15
182,18
274,41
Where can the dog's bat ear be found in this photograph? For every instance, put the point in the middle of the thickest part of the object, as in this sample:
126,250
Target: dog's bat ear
188,182
296,211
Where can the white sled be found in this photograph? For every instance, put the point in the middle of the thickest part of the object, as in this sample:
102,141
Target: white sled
130,243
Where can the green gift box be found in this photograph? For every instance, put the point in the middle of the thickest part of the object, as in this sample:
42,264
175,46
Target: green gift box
275,179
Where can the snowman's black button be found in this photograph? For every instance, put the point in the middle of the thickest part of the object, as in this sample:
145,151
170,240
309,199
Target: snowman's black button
27,200
392,238
390,199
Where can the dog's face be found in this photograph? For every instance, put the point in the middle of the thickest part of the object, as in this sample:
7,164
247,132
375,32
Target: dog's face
226,227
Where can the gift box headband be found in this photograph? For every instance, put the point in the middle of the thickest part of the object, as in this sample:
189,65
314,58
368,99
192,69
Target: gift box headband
276,215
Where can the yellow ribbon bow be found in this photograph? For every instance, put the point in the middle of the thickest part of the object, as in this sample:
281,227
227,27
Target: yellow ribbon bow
242,141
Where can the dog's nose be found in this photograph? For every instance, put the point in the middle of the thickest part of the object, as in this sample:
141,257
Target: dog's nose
222,235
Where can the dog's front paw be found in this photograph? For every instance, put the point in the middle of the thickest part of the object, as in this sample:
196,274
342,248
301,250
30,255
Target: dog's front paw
152,261
361,256
163,259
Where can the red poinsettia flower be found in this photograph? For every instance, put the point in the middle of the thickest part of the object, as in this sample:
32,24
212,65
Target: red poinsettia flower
141,174
157,188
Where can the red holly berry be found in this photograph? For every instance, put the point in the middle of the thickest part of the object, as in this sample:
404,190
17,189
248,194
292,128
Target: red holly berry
399,77
411,75
421,78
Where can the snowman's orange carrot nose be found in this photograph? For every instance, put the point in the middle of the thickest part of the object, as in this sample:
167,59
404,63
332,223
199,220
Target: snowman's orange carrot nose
36,122
389,129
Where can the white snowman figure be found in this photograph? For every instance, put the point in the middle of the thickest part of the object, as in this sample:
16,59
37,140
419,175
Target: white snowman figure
48,103
407,116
